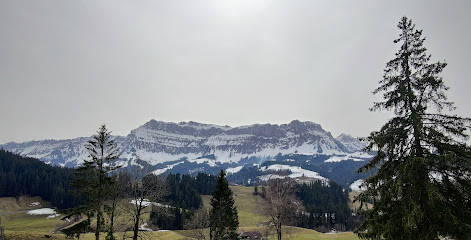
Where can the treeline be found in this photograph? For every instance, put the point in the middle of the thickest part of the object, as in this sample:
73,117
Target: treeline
186,190
24,176
326,207
183,200
20,176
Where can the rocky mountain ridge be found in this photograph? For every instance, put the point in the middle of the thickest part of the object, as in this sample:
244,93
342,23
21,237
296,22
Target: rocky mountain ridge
158,142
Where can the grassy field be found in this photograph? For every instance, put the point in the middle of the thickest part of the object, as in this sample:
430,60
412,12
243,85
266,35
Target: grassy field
250,217
356,205
15,218
9,204
247,206
19,225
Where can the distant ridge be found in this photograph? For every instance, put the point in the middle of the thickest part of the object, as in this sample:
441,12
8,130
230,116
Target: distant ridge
158,142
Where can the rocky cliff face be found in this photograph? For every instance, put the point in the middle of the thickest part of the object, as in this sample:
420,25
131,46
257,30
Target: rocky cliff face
159,142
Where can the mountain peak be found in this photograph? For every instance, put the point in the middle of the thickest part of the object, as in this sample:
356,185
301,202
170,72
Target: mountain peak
346,136
351,143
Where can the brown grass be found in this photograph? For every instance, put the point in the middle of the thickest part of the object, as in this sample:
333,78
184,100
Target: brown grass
10,204
356,205
32,236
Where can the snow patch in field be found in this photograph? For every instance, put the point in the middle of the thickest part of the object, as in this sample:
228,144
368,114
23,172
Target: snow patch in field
34,204
234,170
357,185
146,202
144,227
44,211
53,216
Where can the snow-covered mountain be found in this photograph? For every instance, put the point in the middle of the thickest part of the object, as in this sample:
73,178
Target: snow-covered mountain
351,143
167,145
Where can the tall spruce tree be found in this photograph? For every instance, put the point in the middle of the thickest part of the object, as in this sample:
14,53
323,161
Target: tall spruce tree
223,219
93,178
422,187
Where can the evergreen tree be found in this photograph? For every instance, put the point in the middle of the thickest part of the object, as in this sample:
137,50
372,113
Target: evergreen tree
422,188
93,178
223,219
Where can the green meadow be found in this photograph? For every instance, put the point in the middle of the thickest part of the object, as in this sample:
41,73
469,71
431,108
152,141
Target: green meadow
19,225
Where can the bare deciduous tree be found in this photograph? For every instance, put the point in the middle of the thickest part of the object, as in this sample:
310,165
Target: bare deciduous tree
143,189
198,223
112,209
281,205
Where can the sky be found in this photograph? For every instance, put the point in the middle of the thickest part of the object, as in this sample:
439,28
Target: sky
66,67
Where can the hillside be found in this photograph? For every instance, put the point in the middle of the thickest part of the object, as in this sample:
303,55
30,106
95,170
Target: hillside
19,223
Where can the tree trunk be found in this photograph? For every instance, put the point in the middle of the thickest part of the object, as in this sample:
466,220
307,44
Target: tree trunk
136,229
98,225
111,231
278,231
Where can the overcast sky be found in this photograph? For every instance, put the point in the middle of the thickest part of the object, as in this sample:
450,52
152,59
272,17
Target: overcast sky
68,66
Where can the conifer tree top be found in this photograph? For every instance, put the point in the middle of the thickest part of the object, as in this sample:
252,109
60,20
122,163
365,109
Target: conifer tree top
223,218
423,182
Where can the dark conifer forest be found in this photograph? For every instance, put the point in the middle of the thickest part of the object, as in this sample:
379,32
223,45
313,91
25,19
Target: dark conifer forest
326,207
21,176
184,198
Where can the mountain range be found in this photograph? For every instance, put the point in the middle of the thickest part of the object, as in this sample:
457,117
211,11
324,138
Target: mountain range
189,147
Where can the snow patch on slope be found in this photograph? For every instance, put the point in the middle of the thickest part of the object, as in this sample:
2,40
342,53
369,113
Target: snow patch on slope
267,177
210,162
234,170
155,158
351,143
296,172
357,157
162,170
357,185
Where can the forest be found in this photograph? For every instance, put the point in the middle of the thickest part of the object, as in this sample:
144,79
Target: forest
326,207
20,176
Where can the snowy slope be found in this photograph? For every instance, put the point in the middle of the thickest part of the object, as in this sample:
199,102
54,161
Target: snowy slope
357,185
296,172
351,143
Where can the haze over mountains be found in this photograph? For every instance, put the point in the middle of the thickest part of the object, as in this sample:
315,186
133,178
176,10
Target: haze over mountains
191,146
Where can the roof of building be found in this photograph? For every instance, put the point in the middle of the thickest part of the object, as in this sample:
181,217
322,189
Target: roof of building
251,235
